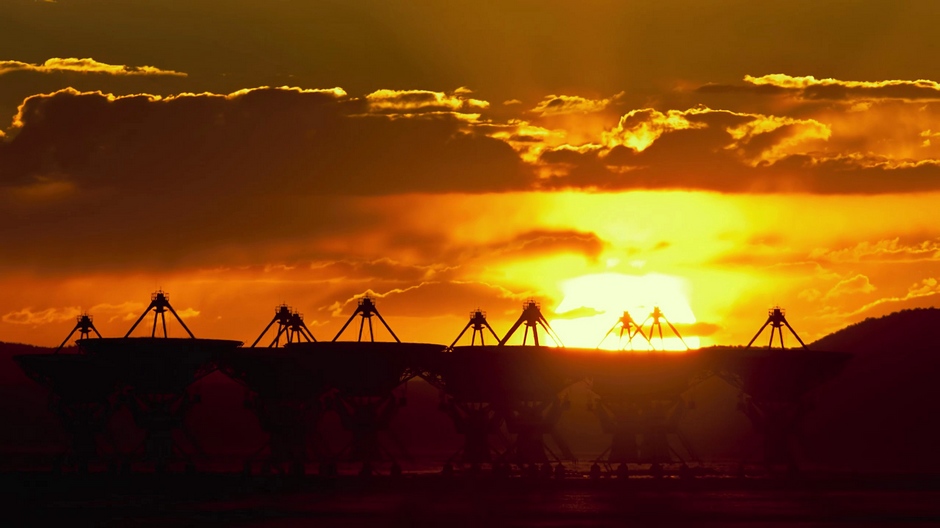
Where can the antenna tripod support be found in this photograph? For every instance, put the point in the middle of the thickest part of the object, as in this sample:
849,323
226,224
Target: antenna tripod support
478,323
628,325
533,319
84,325
290,323
366,310
657,317
777,319
159,304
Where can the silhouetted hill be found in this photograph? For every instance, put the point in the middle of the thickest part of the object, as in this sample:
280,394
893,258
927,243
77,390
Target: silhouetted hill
879,413
917,329
9,371
27,422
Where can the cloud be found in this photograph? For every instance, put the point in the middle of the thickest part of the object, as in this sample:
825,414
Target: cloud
312,140
553,105
212,173
852,285
810,295
700,329
578,313
279,175
27,316
638,129
529,140
415,101
88,65
126,311
370,271
919,291
719,150
187,313
767,139
437,298
890,250
548,242
811,88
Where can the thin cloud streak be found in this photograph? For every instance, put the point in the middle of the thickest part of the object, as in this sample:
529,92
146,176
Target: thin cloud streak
86,65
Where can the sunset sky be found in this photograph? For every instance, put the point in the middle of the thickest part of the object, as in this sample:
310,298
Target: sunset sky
712,158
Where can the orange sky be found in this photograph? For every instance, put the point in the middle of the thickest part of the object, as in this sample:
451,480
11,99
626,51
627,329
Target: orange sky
714,159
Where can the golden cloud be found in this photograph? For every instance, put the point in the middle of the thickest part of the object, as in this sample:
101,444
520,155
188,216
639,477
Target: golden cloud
793,82
572,104
882,251
811,88
527,139
412,101
87,65
928,287
335,92
793,133
857,284
638,129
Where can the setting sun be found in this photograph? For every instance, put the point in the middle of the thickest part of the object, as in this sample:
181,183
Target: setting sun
592,304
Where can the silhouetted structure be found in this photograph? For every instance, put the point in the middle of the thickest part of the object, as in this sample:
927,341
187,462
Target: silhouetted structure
284,394
776,318
365,310
640,396
84,325
640,403
363,377
476,417
478,323
774,384
159,305
505,400
628,325
290,324
155,374
532,318
657,316
82,394
533,412
485,387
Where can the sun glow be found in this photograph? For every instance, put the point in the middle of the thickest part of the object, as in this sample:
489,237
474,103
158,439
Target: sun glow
592,304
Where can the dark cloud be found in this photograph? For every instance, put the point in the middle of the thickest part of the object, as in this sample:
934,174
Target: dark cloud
18,84
267,140
165,179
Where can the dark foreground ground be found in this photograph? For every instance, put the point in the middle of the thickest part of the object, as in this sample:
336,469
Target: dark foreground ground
43,499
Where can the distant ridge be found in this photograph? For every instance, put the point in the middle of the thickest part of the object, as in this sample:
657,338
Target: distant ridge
917,328
880,414
9,371
23,348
